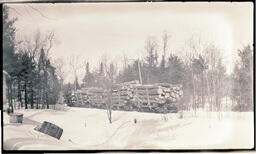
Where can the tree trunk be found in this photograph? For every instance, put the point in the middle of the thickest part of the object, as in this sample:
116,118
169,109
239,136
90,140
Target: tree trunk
110,115
214,95
38,98
47,101
43,99
14,95
9,94
26,98
109,107
43,96
32,96
11,102
194,89
202,91
240,100
19,94
209,93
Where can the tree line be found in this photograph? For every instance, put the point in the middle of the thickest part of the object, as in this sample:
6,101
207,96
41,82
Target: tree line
32,80
35,82
201,71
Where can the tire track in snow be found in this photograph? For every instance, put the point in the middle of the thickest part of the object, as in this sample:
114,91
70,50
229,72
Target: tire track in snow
106,141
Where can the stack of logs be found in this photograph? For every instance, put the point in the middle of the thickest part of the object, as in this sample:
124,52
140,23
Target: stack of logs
89,97
152,95
95,97
123,93
130,94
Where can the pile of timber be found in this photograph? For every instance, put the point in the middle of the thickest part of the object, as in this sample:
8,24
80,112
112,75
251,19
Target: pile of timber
123,93
95,96
87,97
129,94
153,95
172,92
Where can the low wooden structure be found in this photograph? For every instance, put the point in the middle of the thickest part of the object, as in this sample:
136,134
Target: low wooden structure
50,129
16,118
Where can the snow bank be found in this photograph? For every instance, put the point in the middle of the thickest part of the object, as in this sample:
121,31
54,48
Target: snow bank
90,129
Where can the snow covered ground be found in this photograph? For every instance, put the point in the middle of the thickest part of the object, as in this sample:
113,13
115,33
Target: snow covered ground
89,129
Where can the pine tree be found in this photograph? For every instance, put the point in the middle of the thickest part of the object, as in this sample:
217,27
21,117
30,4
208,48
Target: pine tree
88,78
242,80
101,69
9,57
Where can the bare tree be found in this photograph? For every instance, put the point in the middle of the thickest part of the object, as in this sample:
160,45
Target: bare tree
151,48
36,43
193,49
76,64
107,81
48,43
165,39
212,55
59,64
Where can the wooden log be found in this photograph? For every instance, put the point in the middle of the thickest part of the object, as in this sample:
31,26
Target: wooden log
167,95
121,97
150,92
125,93
149,87
132,82
96,99
95,90
151,101
119,102
166,85
151,97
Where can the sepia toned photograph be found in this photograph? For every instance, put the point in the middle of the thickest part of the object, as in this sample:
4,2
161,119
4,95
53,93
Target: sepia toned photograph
128,76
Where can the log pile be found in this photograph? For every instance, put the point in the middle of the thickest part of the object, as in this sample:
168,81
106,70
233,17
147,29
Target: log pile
123,93
130,95
89,97
152,95
95,96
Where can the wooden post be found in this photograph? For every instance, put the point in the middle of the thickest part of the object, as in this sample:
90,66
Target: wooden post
139,71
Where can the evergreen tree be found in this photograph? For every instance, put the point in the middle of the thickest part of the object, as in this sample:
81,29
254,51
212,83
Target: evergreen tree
68,94
9,44
89,77
174,72
242,80
101,69
10,59
76,84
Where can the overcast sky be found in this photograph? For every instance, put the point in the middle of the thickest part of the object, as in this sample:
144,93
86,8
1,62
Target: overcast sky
94,30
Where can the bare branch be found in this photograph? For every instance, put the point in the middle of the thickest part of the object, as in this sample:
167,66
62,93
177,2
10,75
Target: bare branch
50,38
59,64
15,10
35,9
